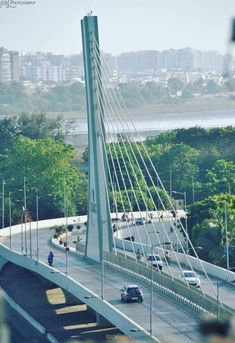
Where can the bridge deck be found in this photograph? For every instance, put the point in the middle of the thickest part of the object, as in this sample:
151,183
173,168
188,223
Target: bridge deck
171,322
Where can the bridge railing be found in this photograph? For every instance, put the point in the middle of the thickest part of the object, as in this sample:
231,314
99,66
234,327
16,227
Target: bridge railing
163,281
211,269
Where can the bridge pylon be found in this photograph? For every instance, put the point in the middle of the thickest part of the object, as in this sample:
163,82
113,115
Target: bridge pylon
99,235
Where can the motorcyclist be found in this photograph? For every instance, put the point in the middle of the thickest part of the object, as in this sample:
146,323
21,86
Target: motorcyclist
50,258
168,257
138,254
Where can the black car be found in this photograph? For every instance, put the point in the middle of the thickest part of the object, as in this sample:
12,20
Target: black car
131,293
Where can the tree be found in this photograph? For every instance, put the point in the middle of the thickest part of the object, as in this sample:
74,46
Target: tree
183,161
198,86
48,167
212,87
8,132
221,179
33,125
207,226
37,125
174,85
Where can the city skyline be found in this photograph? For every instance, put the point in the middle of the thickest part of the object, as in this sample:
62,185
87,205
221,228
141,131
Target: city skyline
59,68
124,25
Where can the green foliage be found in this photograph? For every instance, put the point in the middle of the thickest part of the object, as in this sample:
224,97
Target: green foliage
207,223
202,164
8,133
15,99
34,125
59,229
47,165
220,178
212,87
37,125
175,85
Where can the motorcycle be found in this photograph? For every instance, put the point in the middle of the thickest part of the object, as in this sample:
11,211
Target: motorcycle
168,258
50,259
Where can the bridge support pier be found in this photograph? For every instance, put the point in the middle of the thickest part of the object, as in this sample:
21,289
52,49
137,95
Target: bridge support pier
100,320
3,261
70,299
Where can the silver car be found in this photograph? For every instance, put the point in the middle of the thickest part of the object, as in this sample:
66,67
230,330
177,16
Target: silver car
191,278
155,260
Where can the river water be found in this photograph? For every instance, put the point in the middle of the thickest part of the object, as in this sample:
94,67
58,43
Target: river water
165,121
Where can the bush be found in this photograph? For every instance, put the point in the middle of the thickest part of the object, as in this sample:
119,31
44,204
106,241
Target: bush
59,229
70,227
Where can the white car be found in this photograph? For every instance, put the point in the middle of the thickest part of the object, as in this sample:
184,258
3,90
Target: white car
155,260
191,278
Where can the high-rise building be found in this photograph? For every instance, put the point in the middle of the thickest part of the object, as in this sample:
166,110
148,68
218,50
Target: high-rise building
5,65
15,66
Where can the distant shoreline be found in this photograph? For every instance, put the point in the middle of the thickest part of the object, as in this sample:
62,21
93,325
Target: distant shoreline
202,104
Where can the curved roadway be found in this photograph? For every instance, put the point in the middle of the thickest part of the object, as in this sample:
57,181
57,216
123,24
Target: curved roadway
172,322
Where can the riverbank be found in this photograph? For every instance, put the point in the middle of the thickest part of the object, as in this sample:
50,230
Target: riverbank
201,104
153,124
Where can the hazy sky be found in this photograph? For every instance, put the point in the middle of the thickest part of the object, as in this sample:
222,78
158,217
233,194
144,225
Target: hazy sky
124,25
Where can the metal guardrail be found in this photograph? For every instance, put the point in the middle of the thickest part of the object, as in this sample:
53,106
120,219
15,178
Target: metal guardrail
177,289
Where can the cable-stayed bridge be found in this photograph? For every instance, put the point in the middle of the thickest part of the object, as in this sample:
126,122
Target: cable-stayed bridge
130,216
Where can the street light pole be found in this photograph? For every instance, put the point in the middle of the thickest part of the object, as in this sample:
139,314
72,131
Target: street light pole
151,297
21,234
102,266
37,220
37,227
66,226
226,234
10,216
3,203
170,182
193,189
102,259
186,220
25,215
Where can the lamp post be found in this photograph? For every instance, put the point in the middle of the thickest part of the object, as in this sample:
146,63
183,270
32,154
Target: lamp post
66,226
193,190
37,247
102,270
37,219
151,297
186,217
3,202
170,171
21,234
226,234
102,259
10,216
25,215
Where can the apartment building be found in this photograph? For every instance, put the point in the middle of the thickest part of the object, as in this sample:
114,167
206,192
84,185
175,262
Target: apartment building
9,65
